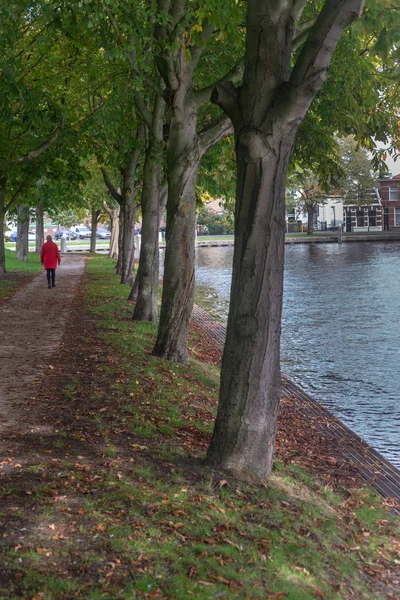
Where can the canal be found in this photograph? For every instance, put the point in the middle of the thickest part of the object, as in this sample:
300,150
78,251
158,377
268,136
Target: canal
340,330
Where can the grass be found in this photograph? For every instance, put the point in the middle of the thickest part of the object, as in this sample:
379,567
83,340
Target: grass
18,272
123,506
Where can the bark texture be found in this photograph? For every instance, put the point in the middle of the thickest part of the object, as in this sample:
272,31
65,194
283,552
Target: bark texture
39,228
185,148
250,381
128,210
146,292
178,284
21,247
113,213
266,113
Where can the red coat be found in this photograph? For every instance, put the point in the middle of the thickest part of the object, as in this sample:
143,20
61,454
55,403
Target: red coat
50,255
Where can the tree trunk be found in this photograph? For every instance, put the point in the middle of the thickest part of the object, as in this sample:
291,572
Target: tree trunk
245,428
128,210
95,218
128,242
179,278
3,188
146,308
21,249
114,217
266,113
118,266
134,291
178,283
310,219
39,228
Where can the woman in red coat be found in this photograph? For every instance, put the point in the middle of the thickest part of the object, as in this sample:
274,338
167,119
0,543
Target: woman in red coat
49,257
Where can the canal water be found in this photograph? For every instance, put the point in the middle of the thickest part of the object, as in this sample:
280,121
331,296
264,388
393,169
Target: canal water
340,330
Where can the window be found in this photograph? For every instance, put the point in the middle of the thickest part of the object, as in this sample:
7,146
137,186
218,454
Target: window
393,193
360,218
397,217
372,217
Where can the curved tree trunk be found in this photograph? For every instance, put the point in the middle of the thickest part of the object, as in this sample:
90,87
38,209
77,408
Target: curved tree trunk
146,308
21,249
250,383
39,228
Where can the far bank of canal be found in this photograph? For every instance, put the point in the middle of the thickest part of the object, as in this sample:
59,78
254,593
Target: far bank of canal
340,332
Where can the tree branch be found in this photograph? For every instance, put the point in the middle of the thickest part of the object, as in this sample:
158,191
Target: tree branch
33,154
234,76
23,186
226,96
311,67
110,186
214,132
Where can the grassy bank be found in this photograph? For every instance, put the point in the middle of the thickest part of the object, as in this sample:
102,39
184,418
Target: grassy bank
18,272
109,497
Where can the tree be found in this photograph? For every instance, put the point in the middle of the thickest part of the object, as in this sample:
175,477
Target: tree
358,176
183,34
266,112
30,112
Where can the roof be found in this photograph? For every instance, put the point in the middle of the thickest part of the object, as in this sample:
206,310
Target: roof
215,206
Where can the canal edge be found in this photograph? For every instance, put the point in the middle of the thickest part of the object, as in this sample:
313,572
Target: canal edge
375,469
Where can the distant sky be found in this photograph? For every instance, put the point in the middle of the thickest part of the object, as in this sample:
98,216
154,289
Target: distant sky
394,167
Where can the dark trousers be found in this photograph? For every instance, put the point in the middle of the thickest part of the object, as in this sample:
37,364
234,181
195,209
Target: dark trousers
51,276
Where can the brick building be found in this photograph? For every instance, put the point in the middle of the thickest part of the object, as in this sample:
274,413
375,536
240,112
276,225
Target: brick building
390,199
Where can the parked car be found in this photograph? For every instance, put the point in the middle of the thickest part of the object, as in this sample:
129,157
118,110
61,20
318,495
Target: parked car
60,232
81,232
103,233
31,236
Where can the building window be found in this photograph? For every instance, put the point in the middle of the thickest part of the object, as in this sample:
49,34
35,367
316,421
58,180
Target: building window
360,218
397,217
372,218
393,193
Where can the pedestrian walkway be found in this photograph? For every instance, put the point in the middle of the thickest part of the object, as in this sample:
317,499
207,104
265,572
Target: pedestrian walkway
372,466
31,327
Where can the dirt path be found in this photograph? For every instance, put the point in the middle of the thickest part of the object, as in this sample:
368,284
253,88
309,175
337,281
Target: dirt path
31,326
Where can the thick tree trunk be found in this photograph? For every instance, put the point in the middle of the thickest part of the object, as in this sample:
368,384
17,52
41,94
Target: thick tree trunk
179,278
146,308
310,220
39,228
178,282
245,428
95,219
266,113
3,187
21,249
